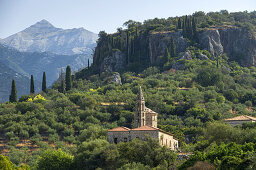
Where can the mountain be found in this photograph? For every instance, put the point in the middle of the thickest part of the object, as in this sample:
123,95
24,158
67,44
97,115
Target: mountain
27,63
44,37
22,82
42,48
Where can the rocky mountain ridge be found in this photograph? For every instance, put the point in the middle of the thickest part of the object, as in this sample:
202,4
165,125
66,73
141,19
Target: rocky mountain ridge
238,43
44,37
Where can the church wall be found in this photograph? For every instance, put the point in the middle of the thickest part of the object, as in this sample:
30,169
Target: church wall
142,134
167,140
120,136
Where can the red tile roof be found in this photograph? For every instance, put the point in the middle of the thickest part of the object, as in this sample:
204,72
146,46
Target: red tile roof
119,129
241,118
145,128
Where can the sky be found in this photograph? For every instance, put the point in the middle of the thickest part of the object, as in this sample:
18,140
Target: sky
107,15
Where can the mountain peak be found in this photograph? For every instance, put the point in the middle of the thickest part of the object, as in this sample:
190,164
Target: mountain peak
42,23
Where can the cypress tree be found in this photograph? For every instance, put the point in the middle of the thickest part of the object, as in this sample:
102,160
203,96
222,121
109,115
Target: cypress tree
172,48
32,87
179,24
88,63
184,28
13,96
62,87
68,78
166,56
194,31
44,83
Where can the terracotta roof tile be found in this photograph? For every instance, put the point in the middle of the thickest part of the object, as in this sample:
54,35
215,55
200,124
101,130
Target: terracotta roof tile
119,129
239,118
145,128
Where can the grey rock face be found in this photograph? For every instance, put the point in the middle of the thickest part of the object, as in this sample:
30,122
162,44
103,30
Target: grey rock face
186,55
238,43
44,37
210,40
115,78
114,62
202,57
158,42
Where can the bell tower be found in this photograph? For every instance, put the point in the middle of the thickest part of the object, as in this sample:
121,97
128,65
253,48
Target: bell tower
140,114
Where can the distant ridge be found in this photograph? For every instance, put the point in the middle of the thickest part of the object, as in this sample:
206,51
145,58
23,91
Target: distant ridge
44,37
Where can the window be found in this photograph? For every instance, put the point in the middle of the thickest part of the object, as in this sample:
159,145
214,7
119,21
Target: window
125,139
115,140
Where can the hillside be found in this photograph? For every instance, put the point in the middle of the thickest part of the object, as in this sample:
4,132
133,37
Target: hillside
192,88
44,37
145,44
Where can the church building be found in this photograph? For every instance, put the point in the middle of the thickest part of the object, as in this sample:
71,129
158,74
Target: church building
145,123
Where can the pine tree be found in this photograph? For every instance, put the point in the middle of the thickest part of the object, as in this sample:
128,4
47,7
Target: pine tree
13,96
172,48
68,78
32,87
44,83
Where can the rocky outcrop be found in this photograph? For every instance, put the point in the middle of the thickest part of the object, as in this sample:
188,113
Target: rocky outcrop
186,56
238,43
202,57
114,62
210,40
158,42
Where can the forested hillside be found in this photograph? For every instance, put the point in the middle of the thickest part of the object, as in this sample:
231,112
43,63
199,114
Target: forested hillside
192,91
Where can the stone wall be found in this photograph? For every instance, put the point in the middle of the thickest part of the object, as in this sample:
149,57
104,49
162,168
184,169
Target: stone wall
143,134
238,122
121,136
126,136
167,140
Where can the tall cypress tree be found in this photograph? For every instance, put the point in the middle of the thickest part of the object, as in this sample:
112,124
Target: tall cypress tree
179,24
32,87
88,63
62,88
194,28
172,48
68,78
44,83
166,56
13,96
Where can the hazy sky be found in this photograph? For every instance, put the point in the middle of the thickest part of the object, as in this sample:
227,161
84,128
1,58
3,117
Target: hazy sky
97,15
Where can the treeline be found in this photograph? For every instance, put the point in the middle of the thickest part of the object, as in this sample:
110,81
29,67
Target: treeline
65,85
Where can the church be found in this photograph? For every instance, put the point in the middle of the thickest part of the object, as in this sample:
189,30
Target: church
145,123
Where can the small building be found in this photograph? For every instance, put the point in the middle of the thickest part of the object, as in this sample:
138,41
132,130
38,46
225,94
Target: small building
239,120
145,123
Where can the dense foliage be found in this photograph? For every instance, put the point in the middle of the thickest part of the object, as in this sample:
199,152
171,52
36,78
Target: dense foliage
66,125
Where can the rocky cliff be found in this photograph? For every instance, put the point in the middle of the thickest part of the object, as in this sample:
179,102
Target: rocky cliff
238,43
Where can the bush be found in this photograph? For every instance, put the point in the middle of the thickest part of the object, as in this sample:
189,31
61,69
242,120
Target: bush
55,159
